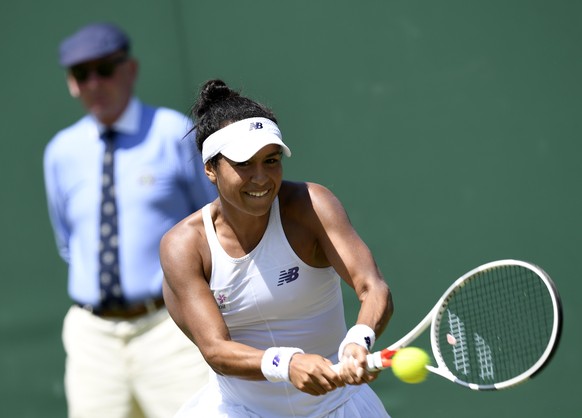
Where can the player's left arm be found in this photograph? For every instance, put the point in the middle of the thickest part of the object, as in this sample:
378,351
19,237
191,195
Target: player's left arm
352,259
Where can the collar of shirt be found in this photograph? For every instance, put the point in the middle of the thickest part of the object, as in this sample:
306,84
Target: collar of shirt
128,122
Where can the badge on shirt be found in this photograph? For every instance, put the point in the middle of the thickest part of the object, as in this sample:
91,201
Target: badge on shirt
147,179
222,299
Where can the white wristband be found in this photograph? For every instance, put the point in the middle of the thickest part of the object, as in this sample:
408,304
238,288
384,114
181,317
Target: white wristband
275,363
359,334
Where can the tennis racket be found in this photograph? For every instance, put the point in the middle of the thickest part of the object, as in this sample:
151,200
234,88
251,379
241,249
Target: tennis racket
495,327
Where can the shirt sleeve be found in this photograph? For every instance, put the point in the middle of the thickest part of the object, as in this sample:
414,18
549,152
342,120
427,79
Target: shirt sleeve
200,189
56,202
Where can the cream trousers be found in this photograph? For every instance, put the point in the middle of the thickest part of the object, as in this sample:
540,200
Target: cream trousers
128,369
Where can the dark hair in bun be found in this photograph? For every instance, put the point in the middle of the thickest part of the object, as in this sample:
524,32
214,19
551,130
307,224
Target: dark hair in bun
218,106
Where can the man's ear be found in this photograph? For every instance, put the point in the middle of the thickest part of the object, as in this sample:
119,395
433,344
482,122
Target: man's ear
134,67
73,87
210,172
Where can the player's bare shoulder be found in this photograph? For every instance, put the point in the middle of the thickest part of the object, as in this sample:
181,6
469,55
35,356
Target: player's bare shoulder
303,207
184,232
184,247
308,199
295,201
305,202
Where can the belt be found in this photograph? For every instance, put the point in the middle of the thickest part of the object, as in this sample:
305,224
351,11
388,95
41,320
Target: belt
130,311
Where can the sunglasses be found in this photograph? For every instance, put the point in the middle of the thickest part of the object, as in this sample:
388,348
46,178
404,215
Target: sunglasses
103,69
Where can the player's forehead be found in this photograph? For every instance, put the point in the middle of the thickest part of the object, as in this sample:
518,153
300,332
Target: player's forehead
268,151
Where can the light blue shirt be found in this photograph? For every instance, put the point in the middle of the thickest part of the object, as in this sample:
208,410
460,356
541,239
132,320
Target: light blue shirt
159,180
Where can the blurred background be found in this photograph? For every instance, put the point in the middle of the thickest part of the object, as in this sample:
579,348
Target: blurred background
450,130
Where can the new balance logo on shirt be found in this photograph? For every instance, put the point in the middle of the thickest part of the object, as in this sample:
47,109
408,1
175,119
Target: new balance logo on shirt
287,276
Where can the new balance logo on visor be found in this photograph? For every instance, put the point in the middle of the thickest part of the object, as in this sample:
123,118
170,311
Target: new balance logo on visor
287,276
255,125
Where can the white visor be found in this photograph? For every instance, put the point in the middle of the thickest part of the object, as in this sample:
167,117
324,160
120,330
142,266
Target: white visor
240,140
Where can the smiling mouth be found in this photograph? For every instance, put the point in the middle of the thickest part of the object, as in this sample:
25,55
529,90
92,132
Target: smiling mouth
258,194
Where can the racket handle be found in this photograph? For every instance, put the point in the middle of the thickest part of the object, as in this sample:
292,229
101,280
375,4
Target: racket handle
380,360
376,361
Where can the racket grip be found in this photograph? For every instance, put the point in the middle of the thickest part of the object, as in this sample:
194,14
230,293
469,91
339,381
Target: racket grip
378,360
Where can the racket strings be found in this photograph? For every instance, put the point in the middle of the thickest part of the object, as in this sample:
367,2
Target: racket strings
495,326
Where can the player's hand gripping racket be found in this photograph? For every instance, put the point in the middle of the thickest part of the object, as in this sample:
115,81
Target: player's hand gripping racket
495,327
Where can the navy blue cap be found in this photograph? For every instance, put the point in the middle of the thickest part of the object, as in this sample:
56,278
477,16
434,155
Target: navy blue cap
92,42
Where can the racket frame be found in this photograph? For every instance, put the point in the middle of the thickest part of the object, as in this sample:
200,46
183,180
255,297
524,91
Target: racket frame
432,319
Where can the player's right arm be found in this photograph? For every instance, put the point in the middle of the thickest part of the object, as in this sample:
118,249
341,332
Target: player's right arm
184,254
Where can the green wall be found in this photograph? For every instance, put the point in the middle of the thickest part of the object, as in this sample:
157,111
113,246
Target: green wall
450,130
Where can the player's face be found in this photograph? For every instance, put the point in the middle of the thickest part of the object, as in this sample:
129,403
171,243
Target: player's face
104,86
251,186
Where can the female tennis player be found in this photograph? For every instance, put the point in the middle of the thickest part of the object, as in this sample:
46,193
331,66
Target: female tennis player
253,279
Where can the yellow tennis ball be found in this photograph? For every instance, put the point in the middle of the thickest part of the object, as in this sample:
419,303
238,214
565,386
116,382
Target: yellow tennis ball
408,364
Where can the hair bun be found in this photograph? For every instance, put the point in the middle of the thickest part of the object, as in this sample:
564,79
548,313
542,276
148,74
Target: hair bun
218,105
212,92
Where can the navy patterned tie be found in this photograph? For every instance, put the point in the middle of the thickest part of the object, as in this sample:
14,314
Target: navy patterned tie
111,296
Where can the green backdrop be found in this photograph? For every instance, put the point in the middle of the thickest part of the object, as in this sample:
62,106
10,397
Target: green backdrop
450,130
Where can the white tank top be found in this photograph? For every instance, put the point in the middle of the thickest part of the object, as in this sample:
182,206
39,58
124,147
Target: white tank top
271,298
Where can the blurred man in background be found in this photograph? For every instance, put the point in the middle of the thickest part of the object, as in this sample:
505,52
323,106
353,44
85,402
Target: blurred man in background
116,181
